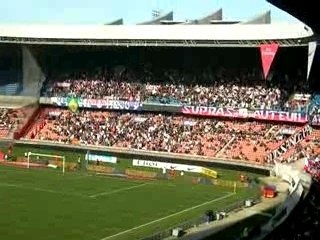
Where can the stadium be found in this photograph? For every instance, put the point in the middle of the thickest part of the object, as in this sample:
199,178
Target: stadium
167,129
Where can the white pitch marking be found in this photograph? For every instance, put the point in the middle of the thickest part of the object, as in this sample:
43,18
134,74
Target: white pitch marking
169,216
117,190
40,189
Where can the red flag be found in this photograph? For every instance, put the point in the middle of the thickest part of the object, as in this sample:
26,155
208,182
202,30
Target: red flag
268,52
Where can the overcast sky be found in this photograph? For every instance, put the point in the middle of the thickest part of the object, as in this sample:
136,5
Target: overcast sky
132,11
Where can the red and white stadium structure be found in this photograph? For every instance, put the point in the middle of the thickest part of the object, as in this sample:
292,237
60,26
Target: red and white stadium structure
28,44
224,133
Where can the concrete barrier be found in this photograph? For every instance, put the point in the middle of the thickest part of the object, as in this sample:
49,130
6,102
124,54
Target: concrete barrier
299,184
16,101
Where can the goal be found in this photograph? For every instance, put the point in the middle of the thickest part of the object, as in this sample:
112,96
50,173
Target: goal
39,159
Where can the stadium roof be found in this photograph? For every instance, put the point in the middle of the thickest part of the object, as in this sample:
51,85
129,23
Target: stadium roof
307,11
224,22
264,18
187,32
214,16
158,35
168,16
116,22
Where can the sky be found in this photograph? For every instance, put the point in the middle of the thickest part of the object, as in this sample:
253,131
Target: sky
132,11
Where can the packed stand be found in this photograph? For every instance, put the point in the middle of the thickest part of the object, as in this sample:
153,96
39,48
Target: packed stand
309,150
157,132
254,142
314,110
134,131
217,88
7,121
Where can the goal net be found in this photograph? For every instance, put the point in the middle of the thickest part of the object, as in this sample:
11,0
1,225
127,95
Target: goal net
45,160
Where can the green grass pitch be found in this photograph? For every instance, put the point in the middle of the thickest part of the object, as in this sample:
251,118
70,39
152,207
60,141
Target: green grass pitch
44,204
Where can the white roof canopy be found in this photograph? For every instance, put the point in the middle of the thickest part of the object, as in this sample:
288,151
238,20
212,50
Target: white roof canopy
159,32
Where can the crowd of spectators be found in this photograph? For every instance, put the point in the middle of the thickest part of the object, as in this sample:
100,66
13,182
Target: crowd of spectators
158,132
9,120
257,143
12,120
135,131
217,88
6,121
208,86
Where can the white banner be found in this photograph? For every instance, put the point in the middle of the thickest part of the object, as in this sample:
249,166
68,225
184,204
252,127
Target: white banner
289,143
168,166
311,51
63,84
102,158
54,113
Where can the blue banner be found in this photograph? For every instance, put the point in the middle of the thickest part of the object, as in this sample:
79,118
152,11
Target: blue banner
99,103
101,158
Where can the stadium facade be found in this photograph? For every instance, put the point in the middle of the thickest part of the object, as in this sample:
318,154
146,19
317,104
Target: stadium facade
209,31
36,58
32,52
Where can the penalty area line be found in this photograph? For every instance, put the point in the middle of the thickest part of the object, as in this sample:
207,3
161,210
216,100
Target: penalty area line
169,216
118,190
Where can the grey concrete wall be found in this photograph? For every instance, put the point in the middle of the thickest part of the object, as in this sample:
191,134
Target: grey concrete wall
17,101
32,74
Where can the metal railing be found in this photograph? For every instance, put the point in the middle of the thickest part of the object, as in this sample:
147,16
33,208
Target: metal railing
197,221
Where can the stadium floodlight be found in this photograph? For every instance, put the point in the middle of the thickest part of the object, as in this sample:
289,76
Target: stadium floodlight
54,161
155,13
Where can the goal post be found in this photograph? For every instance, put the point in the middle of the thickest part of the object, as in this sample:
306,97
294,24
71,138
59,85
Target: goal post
38,159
